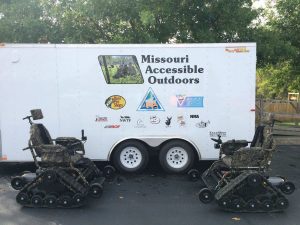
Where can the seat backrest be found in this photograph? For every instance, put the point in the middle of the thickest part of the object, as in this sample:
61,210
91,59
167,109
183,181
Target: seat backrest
268,147
39,135
258,138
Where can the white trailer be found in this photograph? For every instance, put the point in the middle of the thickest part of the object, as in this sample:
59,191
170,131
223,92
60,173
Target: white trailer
130,99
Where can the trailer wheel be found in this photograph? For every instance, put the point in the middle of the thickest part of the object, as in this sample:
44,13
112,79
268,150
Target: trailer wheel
131,157
176,156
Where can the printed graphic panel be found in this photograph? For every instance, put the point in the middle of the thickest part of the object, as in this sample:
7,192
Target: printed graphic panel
120,69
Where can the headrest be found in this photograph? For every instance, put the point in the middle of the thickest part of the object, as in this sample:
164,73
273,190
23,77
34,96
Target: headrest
36,114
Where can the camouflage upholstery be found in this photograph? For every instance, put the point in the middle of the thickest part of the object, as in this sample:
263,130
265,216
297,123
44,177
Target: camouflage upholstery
50,153
253,156
54,154
258,138
72,144
245,157
39,136
229,147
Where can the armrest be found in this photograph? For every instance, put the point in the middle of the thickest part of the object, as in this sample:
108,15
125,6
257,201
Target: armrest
231,146
72,144
67,141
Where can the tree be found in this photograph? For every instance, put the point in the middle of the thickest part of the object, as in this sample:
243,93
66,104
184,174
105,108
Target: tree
215,21
21,21
123,21
279,57
275,81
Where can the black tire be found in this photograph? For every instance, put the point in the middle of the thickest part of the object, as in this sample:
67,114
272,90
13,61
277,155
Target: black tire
50,201
65,201
267,205
135,157
36,200
194,175
252,205
182,154
224,203
96,190
78,199
109,172
18,183
23,198
205,195
282,203
238,204
287,187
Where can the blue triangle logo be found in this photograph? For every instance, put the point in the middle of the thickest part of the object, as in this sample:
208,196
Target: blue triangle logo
150,102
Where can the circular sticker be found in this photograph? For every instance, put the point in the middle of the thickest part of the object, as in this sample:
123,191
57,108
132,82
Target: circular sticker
115,102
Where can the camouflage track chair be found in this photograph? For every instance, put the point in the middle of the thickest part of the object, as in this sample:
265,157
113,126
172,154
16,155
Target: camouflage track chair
64,177
238,180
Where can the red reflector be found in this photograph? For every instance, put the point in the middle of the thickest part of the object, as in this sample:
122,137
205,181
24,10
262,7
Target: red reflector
252,110
3,157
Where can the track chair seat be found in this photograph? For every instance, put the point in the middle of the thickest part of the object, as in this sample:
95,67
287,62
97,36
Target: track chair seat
62,150
258,155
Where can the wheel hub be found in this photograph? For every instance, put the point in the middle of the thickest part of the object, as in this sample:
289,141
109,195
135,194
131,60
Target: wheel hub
131,157
177,157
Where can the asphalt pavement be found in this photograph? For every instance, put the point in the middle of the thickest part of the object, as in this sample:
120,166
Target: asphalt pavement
152,198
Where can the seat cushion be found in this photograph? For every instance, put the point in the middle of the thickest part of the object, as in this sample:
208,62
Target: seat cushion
247,157
54,154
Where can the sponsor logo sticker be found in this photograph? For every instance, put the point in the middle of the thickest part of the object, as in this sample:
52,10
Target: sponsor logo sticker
150,102
180,120
154,120
217,133
189,101
194,116
101,119
115,102
125,119
202,124
112,126
139,124
237,49
168,121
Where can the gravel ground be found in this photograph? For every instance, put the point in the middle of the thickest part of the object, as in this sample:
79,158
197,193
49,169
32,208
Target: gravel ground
151,198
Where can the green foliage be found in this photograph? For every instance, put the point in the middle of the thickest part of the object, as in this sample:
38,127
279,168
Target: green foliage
275,81
123,21
21,21
126,79
278,50
130,79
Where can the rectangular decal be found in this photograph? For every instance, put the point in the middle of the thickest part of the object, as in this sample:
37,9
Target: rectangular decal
189,101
